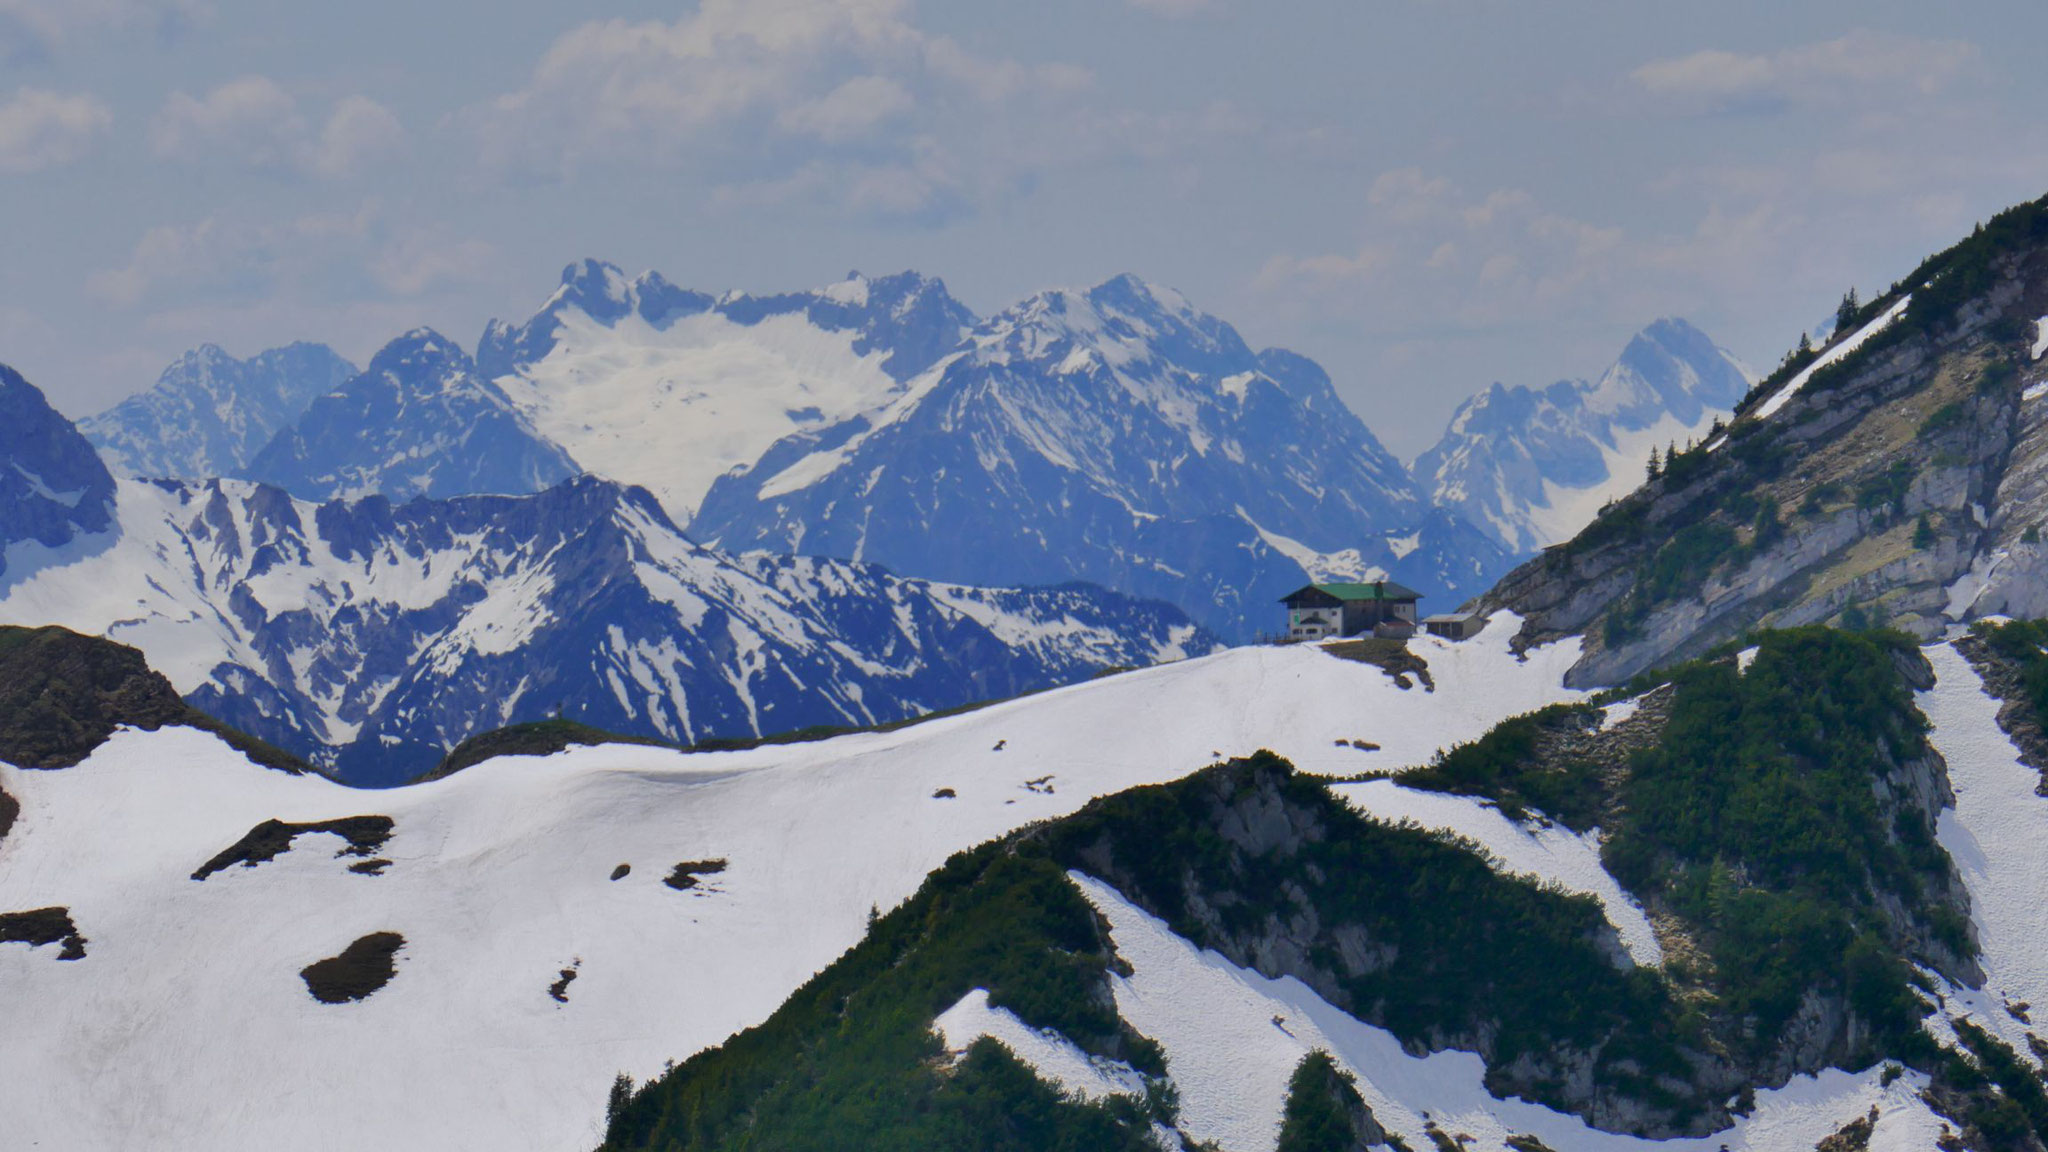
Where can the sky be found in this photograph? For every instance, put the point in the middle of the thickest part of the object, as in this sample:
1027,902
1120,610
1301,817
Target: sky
1425,196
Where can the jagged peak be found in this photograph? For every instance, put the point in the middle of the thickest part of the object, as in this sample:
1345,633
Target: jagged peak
420,345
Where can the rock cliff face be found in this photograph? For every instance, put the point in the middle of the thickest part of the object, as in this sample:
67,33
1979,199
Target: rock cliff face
1899,478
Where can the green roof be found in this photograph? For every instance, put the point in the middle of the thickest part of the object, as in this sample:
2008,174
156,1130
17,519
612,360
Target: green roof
1379,590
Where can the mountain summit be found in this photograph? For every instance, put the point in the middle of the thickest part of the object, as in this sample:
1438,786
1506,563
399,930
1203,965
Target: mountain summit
209,413
418,422
1532,466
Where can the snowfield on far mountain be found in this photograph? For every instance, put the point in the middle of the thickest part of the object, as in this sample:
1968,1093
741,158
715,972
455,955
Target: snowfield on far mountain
672,409
529,977
374,638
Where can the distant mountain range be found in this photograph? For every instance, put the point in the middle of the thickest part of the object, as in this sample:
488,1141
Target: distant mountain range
372,637
1116,435
209,413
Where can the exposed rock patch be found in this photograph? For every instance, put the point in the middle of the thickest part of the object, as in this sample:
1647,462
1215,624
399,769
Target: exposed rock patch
362,968
10,809
1388,655
272,838
43,926
62,694
1901,485
687,874
541,738
559,990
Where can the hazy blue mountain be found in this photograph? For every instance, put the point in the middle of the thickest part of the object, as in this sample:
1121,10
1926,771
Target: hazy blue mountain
1116,435
209,413
53,486
371,637
418,422
1532,466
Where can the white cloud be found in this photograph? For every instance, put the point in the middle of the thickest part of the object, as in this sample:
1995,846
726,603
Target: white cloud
254,121
359,130
45,26
333,257
1859,66
1434,255
40,129
741,73
923,187
851,109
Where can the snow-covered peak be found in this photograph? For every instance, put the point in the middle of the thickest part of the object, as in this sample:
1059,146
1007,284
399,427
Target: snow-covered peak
597,287
1670,368
421,348
419,421
852,291
1124,320
1531,466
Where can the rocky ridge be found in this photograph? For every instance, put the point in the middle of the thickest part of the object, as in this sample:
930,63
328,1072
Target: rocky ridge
1897,477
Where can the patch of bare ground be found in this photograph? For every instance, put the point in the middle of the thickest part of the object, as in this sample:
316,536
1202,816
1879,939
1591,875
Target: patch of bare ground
1853,1136
1388,655
10,808
559,990
272,838
43,926
362,968
686,875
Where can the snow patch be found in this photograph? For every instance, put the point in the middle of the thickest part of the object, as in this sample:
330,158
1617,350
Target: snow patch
1054,1057
1841,349
1997,834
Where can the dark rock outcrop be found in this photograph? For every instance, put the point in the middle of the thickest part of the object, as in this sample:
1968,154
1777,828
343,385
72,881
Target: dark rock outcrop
63,694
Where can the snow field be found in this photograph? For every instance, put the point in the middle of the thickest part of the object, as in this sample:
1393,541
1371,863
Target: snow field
1997,834
673,409
187,1024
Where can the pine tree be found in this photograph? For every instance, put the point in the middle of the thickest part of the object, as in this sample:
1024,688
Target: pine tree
1845,312
1805,346
1655,467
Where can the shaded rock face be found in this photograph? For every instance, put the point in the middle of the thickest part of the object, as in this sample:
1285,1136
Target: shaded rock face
53,487
1118,436
209,413
1903,486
